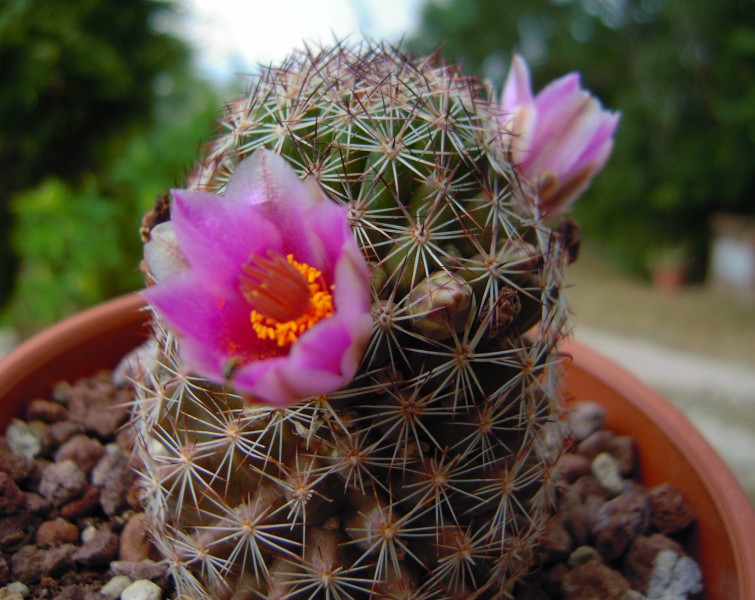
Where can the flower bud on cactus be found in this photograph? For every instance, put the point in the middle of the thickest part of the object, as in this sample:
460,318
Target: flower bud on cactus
442,305
294,441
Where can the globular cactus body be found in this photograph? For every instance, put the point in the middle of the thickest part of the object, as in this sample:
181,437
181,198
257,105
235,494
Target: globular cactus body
431,474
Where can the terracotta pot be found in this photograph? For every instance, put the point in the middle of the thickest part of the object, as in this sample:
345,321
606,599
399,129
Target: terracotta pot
670,449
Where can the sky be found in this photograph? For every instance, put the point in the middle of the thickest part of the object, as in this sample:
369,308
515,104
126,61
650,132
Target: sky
233,36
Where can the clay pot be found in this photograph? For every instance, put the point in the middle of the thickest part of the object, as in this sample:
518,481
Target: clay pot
670,449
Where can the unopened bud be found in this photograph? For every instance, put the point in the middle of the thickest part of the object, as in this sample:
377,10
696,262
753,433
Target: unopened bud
506,309
441,304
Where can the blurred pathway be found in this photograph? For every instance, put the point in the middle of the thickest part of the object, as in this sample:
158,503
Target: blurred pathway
717,396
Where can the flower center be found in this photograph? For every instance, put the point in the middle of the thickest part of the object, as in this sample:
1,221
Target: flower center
288,297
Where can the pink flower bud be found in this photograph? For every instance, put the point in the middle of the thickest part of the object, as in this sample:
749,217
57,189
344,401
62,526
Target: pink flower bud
561,138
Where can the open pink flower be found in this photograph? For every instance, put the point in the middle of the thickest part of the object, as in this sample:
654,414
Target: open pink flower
561,138
265,286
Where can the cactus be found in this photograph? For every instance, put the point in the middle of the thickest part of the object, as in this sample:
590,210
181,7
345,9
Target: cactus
431,473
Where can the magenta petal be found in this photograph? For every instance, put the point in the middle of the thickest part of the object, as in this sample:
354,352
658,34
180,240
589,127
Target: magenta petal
217,236
325,359
281,196
209,321
562,137
517,90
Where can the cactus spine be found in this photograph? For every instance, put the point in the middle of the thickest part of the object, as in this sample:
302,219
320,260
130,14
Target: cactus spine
431,475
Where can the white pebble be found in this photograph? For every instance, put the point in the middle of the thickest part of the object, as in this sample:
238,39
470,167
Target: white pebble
608,473
113,589
584,419
22,440
88,533
142,589
19,587
674,577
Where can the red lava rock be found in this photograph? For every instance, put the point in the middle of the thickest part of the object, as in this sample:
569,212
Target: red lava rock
619,521
30,563
18,466
83,450
46,410
100,549
62,482
12,499
114,476
78,592
59,433
621,447
579,519
15,530
584,419
593,581
143,569
135,540
573,466
4,571
99,406
555,542
56,532
669,511
638,562
87,504
36,504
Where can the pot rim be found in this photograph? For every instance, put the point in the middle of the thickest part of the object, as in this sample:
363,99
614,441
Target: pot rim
730,503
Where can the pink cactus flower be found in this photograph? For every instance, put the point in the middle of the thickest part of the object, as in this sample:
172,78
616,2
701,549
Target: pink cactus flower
561,138
265,287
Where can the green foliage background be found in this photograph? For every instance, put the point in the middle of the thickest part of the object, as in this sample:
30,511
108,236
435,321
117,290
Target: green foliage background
682,72
99,112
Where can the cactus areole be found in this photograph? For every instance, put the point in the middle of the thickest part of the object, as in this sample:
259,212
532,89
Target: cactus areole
357,310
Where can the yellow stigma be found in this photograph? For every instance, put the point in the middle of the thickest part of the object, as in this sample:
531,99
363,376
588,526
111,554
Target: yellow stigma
289,297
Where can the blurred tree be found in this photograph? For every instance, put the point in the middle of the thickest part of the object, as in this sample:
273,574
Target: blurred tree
76,76
681,71
78,242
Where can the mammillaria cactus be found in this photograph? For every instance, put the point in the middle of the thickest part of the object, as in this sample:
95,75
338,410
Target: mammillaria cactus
357,311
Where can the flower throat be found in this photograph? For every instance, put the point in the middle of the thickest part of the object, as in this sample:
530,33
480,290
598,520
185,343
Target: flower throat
288,297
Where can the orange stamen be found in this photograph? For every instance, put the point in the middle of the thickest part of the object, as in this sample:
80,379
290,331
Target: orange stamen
288,297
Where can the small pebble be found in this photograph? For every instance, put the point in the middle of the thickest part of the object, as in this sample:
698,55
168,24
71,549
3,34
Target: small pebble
12,499
582,555
99,549
584,419
19,587
142,569
47,411
639,561
62,482
56,532
22,439
593,581
8,594
674,577
620,521
113,589
135,539
18,466
88,533
142,589
82,450
606,470
669,511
